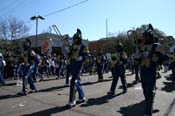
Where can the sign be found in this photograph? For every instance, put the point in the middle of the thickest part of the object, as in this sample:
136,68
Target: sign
45,47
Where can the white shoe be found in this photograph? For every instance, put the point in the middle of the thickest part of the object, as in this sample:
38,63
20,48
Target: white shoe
81,100
33,91
67,85
71,104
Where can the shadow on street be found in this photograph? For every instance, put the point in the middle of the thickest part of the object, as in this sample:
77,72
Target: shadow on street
99,101
47,89
48,112
129,85
168,87
133,110
8,96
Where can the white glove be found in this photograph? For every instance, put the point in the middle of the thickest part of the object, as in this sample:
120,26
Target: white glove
80,58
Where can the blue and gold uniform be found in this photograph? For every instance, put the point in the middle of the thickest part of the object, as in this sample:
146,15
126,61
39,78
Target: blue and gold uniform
30,62
100,61
150,56
77,55
2,81
68,70
118,69
172,66
136,68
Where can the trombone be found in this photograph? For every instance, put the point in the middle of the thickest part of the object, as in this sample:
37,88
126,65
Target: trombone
64,38
135,41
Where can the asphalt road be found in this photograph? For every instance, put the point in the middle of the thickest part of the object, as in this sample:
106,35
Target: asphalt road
53,96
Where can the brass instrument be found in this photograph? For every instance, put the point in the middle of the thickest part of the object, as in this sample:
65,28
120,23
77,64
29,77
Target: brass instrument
114,57
75,51
136,41
98,59
172,57
114,60
132,36
66,46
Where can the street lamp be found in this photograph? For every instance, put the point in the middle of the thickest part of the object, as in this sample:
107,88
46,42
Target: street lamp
50,46
36,18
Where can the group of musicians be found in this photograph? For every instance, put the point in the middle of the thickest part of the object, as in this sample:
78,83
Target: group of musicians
150,56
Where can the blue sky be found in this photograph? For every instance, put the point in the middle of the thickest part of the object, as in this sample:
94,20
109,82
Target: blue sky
91,15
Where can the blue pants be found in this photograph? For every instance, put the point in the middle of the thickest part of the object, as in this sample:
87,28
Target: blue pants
116,75
30,74
148,81
2,81
68,72
76,72
100,68
60,70
173,76
78,86
90,68
136,70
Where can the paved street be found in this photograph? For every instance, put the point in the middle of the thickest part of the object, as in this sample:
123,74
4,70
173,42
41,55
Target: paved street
53,96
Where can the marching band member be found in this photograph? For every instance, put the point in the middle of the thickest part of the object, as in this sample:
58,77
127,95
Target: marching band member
118,69
172,66
136,61
77,55
151,57
100,61
30,63
2,81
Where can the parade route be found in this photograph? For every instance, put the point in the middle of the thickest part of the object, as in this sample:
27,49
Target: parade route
52,97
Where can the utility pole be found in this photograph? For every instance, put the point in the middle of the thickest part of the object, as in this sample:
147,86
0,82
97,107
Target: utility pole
106,28
36,18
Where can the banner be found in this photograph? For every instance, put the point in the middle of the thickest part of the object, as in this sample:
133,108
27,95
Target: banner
45,47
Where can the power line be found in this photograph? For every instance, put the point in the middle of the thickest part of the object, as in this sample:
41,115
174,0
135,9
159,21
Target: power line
5,8
15,6
52,13
20,4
